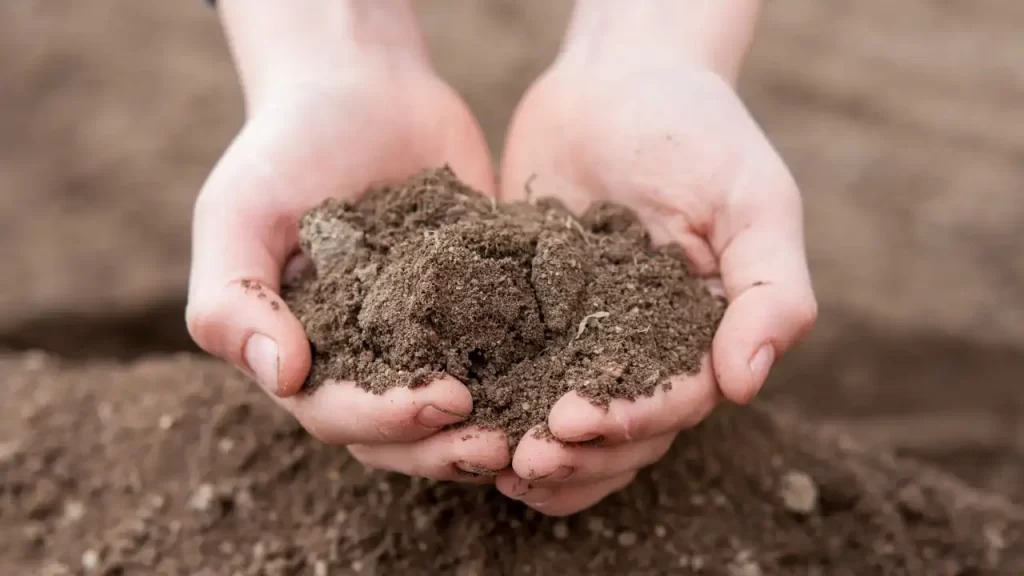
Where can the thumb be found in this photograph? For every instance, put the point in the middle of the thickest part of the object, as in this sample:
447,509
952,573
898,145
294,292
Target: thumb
241,240
758,237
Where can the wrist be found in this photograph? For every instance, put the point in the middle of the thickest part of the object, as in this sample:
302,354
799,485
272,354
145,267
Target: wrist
311,44
710,34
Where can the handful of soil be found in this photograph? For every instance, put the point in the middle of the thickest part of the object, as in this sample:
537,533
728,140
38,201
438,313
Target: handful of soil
521,302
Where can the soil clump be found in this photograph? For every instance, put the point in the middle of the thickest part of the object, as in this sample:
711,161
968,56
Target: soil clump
179,465
521,302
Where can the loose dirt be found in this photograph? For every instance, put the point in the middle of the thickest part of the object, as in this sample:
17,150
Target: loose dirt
180,466
522,302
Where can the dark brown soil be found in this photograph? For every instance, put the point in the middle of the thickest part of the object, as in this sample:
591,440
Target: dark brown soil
179,466
124,333
523,303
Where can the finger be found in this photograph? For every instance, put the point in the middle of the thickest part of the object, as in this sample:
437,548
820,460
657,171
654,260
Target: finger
549,463
239,247
688,400
344,413
565,500
758,236
466,454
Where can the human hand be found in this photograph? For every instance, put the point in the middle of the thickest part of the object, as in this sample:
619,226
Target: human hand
628,115
328,117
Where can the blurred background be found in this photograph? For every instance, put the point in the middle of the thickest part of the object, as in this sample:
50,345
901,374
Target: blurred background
902,122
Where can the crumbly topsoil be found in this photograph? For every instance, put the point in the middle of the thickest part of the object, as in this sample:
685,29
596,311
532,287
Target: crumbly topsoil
521,302
179,466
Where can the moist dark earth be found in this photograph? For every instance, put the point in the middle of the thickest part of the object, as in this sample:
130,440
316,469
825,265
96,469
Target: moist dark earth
522,303
180,466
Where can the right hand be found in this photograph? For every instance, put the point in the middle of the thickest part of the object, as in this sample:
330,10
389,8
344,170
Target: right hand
636,112
380,119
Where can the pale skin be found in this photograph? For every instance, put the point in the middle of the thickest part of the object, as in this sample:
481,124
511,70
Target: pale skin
638,108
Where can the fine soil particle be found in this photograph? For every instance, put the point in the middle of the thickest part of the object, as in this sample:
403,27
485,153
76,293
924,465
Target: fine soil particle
523,303
179,466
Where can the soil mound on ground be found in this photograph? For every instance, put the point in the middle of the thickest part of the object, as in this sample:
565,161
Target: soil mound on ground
180,466
521,302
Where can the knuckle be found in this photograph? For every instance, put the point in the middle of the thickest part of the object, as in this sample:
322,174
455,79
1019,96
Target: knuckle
805,313
201,320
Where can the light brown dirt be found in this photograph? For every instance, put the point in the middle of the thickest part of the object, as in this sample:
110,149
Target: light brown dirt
899,121
113,113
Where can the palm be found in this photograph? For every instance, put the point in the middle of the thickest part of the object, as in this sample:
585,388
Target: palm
671,151
678,147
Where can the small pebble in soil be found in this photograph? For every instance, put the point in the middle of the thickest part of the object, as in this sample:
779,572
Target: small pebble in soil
225,445
627,538
90,560
73,511
744,565
202,498
799,492
744,568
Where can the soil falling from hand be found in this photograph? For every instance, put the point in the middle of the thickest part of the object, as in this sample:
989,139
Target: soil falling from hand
523,303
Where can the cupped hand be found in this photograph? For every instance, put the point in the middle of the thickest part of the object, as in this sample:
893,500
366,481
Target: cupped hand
673,141
376,122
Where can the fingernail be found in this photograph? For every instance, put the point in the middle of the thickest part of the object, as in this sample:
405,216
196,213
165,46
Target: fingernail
761,363
434,417
261,356
563,473
474,469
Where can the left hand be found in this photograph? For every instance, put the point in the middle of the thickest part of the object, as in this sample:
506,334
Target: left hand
340,96
670,139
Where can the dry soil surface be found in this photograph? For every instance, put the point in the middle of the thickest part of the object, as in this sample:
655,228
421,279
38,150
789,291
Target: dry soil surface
179,466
